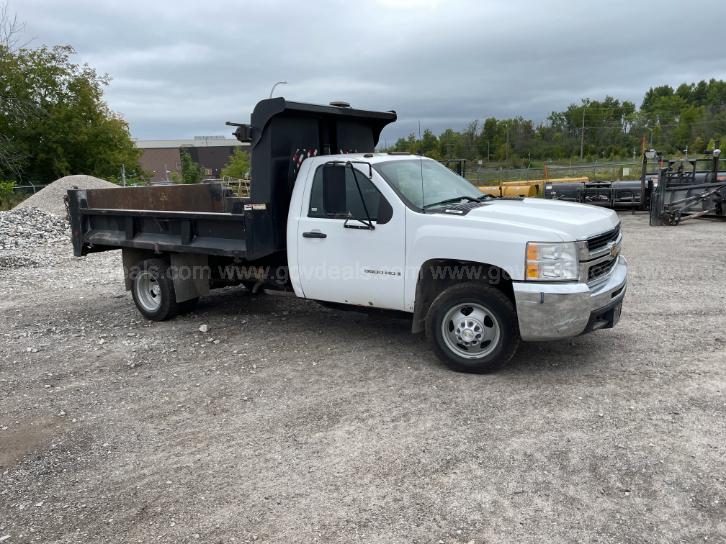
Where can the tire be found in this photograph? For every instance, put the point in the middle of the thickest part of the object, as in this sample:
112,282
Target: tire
153,290
473,328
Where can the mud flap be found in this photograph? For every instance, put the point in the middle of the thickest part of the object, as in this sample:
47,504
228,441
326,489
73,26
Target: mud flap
191,275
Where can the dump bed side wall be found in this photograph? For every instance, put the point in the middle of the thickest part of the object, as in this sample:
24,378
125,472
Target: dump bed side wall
208,197
100,222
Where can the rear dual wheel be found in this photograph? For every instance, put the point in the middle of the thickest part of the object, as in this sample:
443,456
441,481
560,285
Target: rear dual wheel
473,327
153,291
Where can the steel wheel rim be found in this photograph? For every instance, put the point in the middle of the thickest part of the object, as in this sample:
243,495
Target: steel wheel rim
470,330
148,292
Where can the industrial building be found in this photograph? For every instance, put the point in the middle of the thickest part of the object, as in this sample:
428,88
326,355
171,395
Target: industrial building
161,158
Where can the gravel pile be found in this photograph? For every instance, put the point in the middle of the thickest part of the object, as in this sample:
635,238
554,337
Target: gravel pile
35,232
27,235
50,199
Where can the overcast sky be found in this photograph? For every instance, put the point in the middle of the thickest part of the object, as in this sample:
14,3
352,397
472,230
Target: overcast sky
182,68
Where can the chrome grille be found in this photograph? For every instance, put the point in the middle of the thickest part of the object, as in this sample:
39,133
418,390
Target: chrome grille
599,255
600,269
601,240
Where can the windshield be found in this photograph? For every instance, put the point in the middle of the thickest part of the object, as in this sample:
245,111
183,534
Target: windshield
426,183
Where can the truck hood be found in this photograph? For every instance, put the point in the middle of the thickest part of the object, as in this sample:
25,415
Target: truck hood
567,220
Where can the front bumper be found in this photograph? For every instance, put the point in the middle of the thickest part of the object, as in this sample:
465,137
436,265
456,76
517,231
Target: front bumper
549,311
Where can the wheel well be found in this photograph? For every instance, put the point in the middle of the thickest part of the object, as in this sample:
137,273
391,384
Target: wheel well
436,275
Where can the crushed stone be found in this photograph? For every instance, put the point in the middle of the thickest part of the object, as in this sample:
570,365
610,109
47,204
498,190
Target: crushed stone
50,198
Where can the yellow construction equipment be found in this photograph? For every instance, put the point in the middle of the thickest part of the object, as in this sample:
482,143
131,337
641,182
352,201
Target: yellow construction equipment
491,190
525,188
522,188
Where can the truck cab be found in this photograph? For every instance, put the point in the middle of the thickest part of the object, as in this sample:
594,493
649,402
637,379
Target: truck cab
403,232
330,220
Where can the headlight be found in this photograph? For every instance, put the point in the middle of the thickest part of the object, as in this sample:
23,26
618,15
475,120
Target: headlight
551,261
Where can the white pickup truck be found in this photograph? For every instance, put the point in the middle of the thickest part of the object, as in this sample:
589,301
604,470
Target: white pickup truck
369,230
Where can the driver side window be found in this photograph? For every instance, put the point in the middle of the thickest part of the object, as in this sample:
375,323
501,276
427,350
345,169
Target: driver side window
352,207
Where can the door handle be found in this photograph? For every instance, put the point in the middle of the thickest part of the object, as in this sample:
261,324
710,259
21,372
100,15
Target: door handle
314,234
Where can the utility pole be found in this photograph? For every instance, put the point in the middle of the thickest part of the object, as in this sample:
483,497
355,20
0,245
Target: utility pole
420,141
506,147
650,142
123,174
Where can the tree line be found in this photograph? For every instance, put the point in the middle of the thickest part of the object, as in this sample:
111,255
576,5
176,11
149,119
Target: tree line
53,119
691,116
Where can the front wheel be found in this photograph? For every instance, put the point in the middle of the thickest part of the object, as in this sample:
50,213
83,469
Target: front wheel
473,328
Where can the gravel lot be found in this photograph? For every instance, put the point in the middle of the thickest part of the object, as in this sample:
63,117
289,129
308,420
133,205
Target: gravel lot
287,422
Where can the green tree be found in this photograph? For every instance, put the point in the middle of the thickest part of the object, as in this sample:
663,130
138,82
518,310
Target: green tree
238,166
53,120
449,142
6,189
8,198
191,172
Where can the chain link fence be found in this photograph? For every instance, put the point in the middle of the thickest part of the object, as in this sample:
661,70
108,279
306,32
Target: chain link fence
598,171
28,188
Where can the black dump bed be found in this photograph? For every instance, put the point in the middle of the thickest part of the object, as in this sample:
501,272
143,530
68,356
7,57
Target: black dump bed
209,219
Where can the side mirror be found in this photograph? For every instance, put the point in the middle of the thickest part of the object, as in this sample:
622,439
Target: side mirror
334,193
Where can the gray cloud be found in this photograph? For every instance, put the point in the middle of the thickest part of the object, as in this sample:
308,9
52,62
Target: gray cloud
182,68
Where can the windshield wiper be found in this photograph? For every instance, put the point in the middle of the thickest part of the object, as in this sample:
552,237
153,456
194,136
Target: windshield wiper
450,201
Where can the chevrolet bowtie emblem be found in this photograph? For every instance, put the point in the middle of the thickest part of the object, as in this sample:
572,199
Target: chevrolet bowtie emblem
614,249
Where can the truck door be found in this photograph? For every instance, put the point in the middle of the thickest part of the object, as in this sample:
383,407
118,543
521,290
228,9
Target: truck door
351,239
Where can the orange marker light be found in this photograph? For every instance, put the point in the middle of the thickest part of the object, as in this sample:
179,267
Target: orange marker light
532,252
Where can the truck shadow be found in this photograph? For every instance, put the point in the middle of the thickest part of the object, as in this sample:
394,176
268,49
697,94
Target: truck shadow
381,331
572,354
390,331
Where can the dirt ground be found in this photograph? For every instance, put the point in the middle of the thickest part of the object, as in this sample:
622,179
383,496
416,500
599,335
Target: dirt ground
287,422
